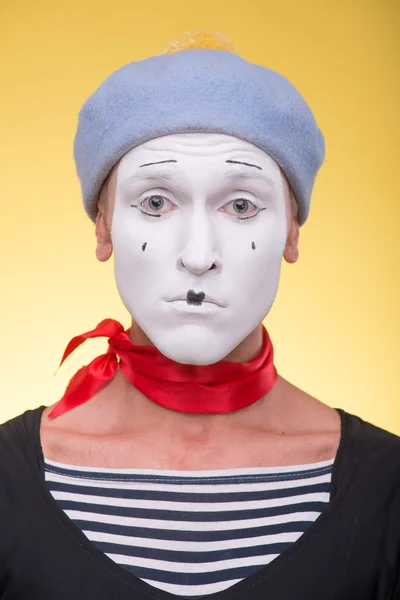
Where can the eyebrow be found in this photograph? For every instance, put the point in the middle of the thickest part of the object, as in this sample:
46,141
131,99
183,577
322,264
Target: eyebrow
234,176
237,176
161,176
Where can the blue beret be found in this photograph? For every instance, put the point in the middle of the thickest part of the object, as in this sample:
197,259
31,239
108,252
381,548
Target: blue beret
197,90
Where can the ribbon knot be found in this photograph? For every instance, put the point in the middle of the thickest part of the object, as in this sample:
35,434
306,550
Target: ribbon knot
92,377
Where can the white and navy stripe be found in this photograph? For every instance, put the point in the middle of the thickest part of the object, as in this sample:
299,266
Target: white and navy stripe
192,533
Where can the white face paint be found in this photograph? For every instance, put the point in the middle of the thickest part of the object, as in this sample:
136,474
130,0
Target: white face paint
202,212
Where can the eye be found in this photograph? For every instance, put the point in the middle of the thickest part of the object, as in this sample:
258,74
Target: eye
241,208
156,205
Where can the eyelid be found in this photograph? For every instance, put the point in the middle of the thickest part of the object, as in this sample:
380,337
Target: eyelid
156,191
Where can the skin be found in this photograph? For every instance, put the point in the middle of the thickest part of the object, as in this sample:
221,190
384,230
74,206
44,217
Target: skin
121,428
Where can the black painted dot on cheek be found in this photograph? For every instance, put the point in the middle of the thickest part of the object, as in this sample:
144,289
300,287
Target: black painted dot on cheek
253,245
144,246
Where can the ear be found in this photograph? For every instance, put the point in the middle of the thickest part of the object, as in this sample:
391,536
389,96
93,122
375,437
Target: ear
291,253
104,248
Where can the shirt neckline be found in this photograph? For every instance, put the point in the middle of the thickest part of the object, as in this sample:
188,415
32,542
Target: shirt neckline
339,490
204,473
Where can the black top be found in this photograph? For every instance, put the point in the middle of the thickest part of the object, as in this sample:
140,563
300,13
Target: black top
351,552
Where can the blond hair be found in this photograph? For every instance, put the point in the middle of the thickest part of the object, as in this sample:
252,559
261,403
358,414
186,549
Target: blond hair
206,40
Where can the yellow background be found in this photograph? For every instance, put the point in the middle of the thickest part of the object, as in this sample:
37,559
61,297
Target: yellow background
335,324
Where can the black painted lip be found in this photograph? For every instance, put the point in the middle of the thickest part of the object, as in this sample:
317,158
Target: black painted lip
195,297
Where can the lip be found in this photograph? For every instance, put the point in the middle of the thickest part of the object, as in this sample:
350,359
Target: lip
203,310
207,300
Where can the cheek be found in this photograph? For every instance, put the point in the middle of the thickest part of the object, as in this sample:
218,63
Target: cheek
270,248
254,260
141,250
128,245
252,247
130,235
272,237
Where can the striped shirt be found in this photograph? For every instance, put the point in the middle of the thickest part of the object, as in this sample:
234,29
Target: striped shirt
191,533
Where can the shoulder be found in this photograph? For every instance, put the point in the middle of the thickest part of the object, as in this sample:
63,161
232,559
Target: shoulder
23,422
18,462
370,439
19,439
370,455
19,459
306,413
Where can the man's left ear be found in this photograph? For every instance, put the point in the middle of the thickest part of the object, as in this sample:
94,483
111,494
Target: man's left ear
291,253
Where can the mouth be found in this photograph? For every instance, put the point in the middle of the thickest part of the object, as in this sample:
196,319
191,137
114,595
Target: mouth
195,299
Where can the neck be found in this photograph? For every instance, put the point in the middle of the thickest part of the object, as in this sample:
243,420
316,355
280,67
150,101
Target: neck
120,409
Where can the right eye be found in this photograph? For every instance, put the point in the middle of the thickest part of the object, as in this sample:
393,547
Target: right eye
156,205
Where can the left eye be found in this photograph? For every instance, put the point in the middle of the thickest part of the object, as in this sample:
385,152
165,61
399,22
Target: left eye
241,208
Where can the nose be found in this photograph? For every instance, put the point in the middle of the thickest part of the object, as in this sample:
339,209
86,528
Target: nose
199,253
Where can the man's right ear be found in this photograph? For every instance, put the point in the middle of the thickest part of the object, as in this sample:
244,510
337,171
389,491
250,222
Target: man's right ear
104,248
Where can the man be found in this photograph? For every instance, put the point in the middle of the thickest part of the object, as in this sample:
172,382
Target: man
180,463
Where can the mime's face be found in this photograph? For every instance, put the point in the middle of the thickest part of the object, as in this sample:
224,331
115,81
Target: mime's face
199,229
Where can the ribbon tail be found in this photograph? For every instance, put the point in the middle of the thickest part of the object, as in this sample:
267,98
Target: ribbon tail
86,383
107,328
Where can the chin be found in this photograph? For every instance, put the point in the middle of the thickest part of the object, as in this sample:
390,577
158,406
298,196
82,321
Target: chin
192,346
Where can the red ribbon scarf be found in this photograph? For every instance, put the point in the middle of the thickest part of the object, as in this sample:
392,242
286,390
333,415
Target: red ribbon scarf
218,388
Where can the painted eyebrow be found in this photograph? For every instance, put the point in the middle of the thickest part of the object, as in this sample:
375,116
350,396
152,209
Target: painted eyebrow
231,176
160,162
234,162
246,164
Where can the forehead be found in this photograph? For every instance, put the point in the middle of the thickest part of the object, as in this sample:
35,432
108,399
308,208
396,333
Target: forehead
212,148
